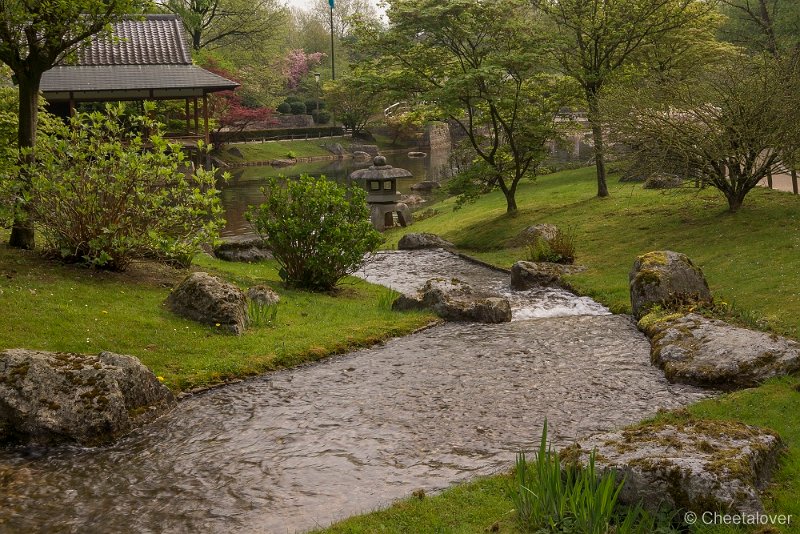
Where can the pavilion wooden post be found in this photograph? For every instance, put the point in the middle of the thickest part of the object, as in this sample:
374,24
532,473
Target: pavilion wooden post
188,119
196,118
794,181
205,116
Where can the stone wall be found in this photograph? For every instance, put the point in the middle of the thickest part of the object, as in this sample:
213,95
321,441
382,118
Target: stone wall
436,136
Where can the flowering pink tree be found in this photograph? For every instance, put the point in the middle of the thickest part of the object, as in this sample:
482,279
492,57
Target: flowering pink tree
296,64
227,109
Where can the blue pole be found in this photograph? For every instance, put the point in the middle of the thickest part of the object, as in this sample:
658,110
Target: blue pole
333,58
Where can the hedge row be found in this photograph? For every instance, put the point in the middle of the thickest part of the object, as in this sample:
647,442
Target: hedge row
309,132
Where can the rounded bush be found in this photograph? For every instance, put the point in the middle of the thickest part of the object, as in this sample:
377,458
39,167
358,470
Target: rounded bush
298,108
311,105
284,107
318,231
321,117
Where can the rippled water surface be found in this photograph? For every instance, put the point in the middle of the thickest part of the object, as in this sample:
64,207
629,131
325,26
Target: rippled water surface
300,448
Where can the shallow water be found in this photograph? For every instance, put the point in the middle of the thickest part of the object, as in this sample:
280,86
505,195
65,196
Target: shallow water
300,448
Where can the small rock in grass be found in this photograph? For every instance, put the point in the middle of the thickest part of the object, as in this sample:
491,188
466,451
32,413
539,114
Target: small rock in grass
206,299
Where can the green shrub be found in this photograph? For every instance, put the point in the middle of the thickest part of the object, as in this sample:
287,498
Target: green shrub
317,230
549,496
322,116
312,104
293,98
298,108
284,107
559,249
104,193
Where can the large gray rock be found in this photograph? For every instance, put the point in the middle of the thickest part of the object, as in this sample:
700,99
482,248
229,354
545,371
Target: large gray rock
243,249
427,185
697,465
206,299
263,295
372,150
662,181
48,397
455,301
422,240
528,274
666,279
544,231
705,352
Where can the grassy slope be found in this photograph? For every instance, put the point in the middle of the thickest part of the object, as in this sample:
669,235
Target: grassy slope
52,307
275,150
752,258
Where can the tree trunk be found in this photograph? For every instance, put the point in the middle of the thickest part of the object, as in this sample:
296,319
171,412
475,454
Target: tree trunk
734,203
599,144
511,202
22,234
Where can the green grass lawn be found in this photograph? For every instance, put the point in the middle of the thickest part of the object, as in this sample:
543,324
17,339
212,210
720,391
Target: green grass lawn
275,150
69,308
751,259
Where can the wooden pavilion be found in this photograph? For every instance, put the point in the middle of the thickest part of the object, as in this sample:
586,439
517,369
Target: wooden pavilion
145,59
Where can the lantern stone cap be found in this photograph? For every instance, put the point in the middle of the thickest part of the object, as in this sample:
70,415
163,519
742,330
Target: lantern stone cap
379,170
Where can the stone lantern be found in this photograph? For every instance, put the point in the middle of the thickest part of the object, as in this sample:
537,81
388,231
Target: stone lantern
380,181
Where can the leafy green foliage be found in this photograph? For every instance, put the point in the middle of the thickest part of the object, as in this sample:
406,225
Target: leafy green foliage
731,125
549,496
317,230
484,66
284,107
106,189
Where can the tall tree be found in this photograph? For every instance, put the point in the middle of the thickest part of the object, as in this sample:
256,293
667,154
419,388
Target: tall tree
34,37
344,14
771,26
596,39
478,63
212,24
731,125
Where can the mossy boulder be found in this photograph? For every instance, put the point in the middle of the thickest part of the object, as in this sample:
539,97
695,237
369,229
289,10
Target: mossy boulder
693,465
48,397
668,280
209,300
417,241
544,231
455,300
243,249
695,350
529,274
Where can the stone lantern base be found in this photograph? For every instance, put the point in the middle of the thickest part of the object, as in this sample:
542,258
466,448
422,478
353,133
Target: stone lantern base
382,215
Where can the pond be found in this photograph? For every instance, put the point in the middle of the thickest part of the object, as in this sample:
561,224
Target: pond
244,188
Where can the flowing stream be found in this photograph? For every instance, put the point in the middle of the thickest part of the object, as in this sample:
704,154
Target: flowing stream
297,449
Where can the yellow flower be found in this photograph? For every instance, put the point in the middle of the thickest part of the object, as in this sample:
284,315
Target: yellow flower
217,324
160,378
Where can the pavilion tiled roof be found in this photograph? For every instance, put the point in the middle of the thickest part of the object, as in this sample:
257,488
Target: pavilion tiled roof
153,40
144,57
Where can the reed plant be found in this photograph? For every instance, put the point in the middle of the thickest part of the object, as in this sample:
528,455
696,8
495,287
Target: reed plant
552,496
261,313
